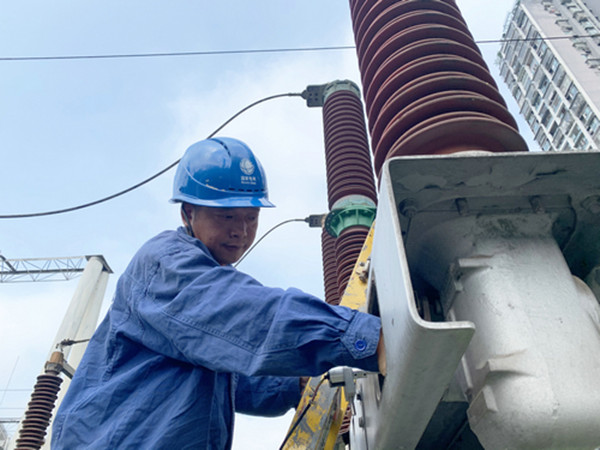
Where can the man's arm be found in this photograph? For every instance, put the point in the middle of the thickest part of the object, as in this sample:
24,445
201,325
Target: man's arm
266,396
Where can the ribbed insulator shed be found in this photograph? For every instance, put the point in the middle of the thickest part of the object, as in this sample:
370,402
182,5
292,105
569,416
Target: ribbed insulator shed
426,86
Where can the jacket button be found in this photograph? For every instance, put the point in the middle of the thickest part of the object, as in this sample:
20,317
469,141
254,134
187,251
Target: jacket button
360,345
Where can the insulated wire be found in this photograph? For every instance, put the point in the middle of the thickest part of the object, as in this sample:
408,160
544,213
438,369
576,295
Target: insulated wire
164,54
147,180
251,51
265,235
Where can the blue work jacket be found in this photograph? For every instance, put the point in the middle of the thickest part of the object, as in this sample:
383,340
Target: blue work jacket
187,342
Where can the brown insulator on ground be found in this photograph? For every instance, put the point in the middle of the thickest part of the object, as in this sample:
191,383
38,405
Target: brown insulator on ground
332,295
347,157
427,88
347,249
39,411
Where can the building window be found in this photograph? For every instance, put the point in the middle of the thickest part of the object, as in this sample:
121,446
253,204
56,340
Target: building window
564,25
529,116
593,125
559,77
581,143
542,50
585,113
545,118
575,133
565,119
553,65
546,145
529,87
577,104
520,18
534,65
537,99
544,83
572,92
539,136
518,47
517,94
593,62
558,139
550,63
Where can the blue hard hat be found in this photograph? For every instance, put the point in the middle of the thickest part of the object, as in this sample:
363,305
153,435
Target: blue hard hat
222,173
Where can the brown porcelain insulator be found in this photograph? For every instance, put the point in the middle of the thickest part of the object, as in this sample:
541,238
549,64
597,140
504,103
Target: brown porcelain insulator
349,174
38,413
347,157
427,88
332,295
347,248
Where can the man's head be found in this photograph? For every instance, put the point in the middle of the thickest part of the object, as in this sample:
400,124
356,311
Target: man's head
227,232
221,186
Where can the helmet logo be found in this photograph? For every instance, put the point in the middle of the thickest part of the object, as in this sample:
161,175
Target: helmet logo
246,166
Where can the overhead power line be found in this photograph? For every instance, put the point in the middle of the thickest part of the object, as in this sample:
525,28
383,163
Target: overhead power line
254,51
539,38
173,54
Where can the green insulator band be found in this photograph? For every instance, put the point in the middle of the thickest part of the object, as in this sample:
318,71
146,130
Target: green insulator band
350,216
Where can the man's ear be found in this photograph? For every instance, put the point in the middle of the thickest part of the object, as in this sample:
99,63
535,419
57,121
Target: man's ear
187,214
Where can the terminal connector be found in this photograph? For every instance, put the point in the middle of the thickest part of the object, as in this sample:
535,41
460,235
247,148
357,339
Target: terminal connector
345,376
315,220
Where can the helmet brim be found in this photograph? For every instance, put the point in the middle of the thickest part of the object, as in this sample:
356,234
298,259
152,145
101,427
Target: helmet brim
229,202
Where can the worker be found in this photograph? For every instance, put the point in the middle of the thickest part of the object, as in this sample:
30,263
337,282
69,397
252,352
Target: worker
189,340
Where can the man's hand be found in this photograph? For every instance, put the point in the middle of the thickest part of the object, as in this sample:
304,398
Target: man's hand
303,381
381,355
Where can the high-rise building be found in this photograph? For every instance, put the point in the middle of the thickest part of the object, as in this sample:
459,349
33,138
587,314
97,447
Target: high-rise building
3,437
550,60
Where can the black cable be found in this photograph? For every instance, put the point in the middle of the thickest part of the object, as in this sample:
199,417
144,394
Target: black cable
303,413
171,54
265,235
147,180
252,51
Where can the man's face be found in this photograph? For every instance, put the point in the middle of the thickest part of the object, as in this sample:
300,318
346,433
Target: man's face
227,232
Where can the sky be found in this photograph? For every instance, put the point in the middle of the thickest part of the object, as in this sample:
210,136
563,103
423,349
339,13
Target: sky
74,131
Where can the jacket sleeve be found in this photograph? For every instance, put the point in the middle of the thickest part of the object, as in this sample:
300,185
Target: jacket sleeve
217,317
266,396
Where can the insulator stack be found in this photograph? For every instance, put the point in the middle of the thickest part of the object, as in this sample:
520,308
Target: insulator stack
347,157
39,412
351,188
347,248
426,86
332,295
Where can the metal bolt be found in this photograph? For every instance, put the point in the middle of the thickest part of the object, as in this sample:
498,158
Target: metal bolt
536,204
408,208
462,206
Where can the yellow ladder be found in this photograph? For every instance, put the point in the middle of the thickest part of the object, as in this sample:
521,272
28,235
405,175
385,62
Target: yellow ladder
321,410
